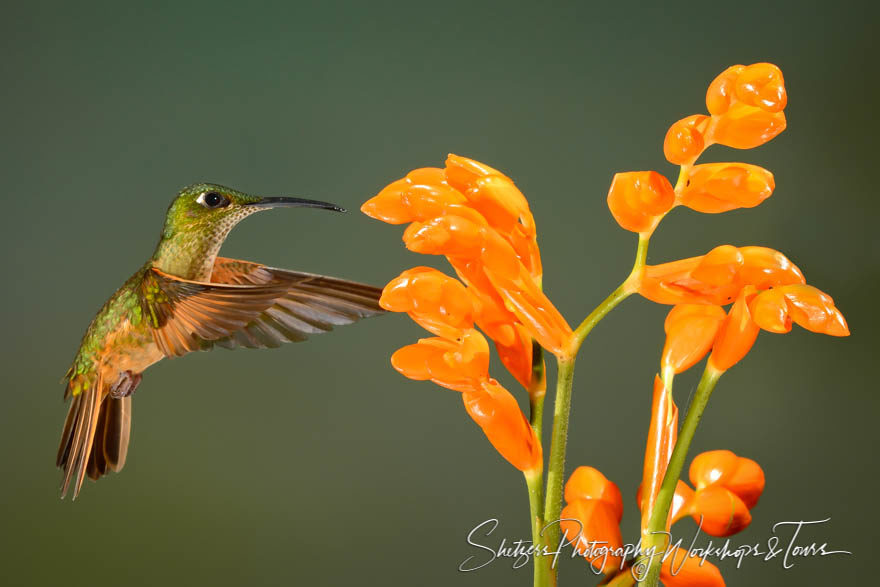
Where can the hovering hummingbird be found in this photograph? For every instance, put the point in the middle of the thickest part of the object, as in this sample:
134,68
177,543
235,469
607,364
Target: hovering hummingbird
184,299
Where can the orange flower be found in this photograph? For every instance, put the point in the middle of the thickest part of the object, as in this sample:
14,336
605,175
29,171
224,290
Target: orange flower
690,332
436,302
742,476
638,199
737,334
728,486
775,309
495,410
719,187
684,140
746,104
591,519
718,276
459,365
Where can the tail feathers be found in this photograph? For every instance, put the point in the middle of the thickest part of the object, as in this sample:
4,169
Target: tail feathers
95,437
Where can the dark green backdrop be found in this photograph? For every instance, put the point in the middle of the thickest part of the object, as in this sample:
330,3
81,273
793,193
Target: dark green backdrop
317,463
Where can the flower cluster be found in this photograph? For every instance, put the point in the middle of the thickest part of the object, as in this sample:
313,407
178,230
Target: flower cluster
477,218
745,106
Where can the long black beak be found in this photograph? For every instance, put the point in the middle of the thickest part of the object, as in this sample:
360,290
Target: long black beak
294,202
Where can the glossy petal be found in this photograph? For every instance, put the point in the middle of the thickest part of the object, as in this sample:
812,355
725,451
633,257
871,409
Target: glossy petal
712,467
719,187
762,85
682,570
591,525
662,433
747,482
690,332
517,356
590,483
764,267
637,198
462,366
737,334
721,92
775,309
435,301
421,195
684,140
720,511
746,127
495,410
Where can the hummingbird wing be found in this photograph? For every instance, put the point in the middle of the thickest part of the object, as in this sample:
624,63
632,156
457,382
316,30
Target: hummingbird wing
311,304
249,305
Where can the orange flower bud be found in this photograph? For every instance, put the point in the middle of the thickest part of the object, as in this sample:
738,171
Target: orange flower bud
462,366
719,187
775,309
737,334
720,511
637,198
690,332
591,525
682,570
495,410
662,433
461,172
454,236
684,139
436,302
742,476
682,502
761,85
722,90
590,483
746,127
421,195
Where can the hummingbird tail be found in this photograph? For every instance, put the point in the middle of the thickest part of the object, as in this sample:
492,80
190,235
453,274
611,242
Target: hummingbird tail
95,437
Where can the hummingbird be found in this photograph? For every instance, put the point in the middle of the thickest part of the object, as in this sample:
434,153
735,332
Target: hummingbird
186,298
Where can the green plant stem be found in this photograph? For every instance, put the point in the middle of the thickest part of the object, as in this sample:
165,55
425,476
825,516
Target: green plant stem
556,465
544,576
657,524
537,389
562,400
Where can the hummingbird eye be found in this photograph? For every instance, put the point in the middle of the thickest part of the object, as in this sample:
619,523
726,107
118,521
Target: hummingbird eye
212,200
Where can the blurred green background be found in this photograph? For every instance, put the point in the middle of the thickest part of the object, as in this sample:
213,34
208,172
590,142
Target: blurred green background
317,463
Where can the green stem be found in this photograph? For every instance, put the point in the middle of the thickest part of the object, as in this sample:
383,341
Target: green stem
537,389
558,440
657,525
544,575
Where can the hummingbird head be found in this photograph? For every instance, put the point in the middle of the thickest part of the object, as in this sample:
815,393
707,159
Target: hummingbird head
199,219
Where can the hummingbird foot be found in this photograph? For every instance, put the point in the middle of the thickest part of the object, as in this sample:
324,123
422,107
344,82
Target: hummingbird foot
125,385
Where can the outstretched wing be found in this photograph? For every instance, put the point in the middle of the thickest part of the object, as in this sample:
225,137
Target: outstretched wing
249,305
311,303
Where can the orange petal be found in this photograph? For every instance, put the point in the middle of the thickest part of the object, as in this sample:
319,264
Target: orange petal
762,85
721,91
421,195
495,410
690,332
590,483
684,139
811,308
719,187
737,334
435,301
591,525
462,366
662,433
764,267
455,236
747,482
682,570
637,198
745,127
712,467
721,511
461,172
517,356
